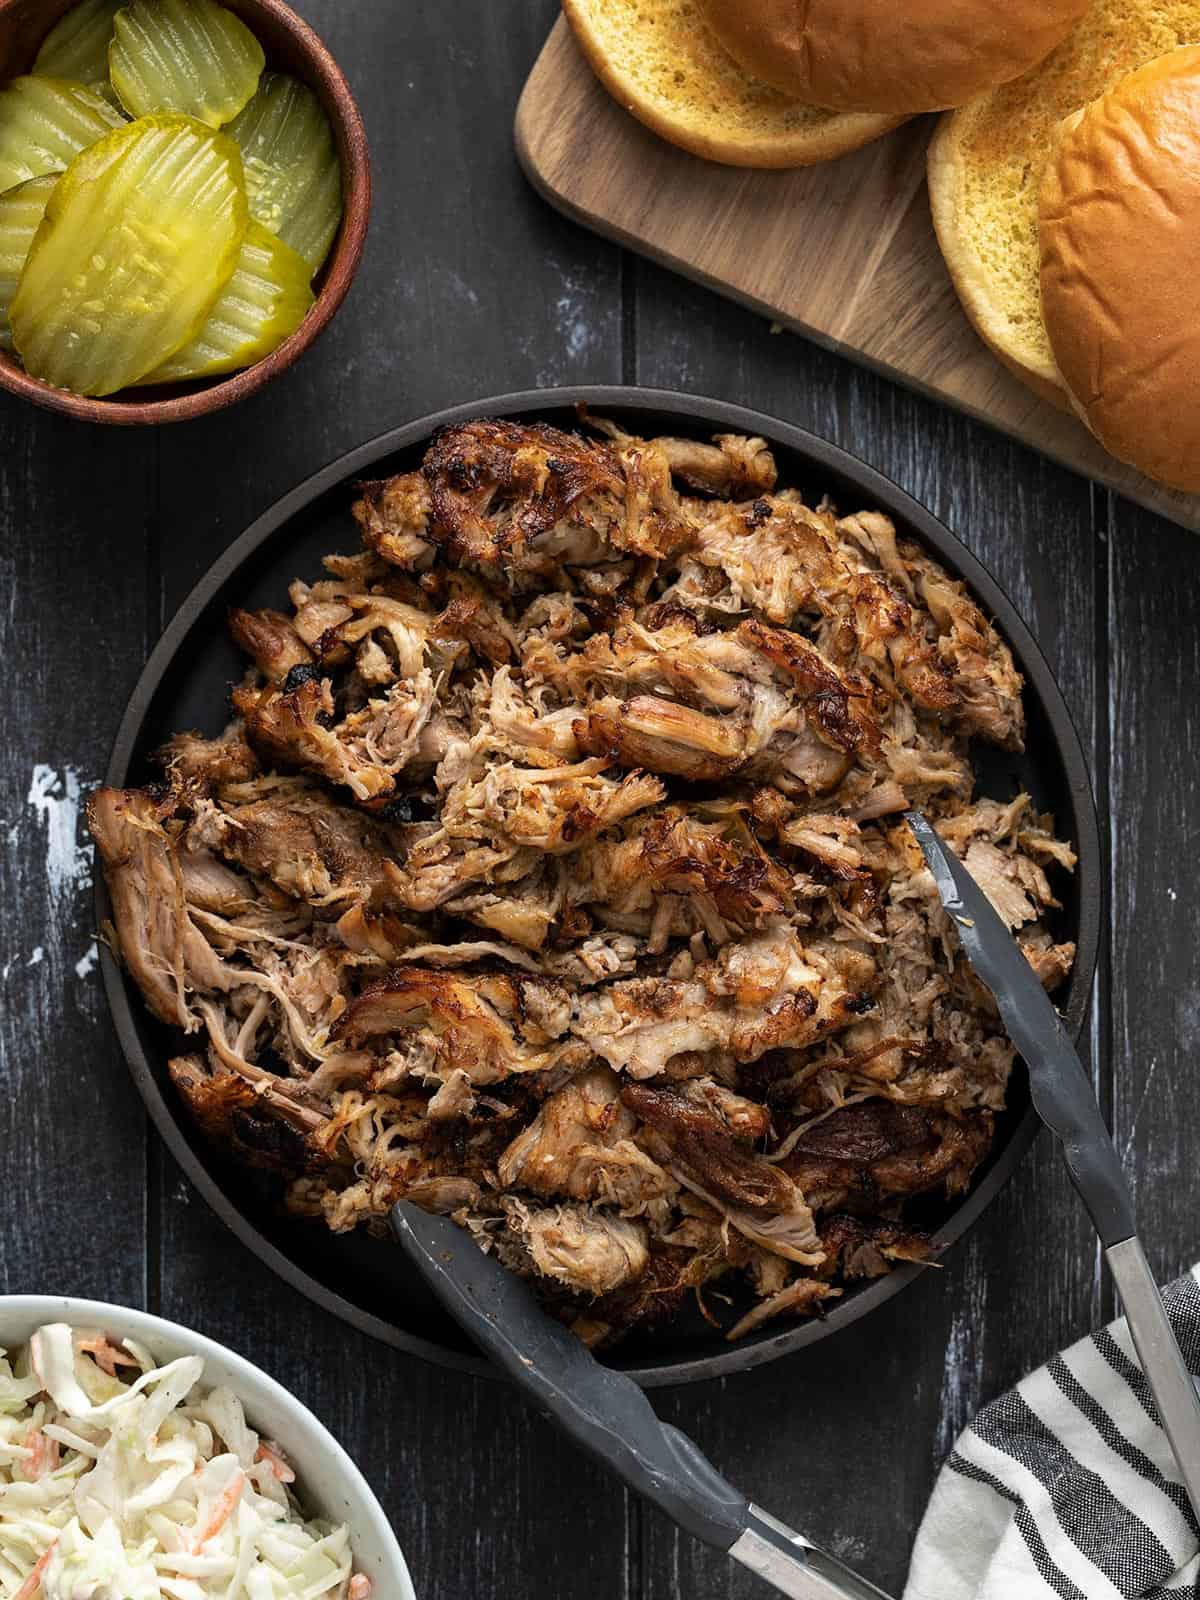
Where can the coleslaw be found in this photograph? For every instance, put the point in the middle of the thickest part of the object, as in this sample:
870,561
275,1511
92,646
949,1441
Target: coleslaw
123,1480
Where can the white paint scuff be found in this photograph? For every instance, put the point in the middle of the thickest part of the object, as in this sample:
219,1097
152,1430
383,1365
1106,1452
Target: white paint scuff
962,1375
573,323
53,810
955,1384
56,799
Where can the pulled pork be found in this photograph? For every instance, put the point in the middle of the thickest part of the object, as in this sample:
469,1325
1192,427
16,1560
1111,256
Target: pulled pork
551,874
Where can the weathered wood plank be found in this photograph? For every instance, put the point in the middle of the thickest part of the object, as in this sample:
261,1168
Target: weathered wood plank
471,286
74,508
1154,730
843,1440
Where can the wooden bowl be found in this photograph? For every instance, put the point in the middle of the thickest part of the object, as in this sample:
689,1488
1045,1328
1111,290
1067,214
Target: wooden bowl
291,45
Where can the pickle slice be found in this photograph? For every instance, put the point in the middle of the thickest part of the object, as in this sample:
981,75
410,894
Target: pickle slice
77,47
267,298
21,212
293,175
189,56
45,123
140,236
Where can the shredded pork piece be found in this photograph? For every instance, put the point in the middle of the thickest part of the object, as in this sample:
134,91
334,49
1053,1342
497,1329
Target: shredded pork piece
551,874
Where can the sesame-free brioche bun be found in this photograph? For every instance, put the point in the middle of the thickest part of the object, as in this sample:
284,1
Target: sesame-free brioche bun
987,160
899,56
1120,256
659,61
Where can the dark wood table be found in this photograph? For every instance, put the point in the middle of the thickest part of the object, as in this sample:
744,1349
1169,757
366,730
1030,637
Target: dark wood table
471,287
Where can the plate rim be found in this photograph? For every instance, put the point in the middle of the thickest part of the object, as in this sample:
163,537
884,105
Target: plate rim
825,456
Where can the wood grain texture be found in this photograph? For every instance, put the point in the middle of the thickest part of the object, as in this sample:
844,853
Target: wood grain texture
73,623
843,252
1154,731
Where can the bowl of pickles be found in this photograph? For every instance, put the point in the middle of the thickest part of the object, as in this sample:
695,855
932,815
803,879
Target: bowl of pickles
184,195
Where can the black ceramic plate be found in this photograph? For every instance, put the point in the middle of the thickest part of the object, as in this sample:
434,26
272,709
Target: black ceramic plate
185,685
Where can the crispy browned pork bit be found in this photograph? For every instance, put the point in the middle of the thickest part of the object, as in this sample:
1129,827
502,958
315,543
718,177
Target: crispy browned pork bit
552,875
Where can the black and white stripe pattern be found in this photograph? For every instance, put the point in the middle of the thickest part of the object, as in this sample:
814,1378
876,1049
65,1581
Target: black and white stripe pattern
1065,1488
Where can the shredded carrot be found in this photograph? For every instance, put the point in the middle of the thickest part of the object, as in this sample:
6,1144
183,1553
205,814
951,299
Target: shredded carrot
270,1452
45,1456
34,1581
222,1511
108,1356
360,1587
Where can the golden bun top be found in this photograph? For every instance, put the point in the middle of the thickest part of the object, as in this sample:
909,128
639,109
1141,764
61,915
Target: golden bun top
659,61
1119,228
894,56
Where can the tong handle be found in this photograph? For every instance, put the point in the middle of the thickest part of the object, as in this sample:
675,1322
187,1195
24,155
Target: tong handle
794,1567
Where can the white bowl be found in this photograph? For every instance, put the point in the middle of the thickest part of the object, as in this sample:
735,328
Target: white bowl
329,1483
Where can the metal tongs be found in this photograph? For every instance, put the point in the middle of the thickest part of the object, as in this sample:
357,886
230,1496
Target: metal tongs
608,1415
1064,1098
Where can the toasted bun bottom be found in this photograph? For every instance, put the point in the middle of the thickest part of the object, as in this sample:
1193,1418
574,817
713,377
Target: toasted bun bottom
984,265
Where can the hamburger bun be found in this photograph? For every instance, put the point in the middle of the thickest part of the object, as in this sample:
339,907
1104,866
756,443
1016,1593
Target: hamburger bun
659,61
888,55
1120,258
987,161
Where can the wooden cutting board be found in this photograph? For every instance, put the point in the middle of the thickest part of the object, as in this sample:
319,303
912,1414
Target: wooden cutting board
844,253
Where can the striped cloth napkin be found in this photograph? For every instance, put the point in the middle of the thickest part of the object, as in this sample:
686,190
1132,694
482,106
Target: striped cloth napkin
1065,1488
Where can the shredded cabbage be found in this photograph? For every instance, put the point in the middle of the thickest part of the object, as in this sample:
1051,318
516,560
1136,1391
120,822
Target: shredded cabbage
122,1480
